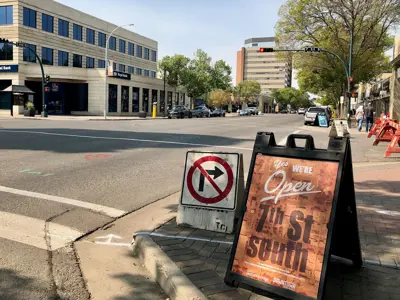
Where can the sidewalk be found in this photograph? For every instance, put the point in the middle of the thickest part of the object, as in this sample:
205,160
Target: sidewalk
202,256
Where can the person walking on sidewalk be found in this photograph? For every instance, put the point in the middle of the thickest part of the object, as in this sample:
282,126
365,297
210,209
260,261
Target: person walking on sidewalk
369,117
360,116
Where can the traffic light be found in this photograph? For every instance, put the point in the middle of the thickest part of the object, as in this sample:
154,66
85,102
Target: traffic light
47,79
4,40
266,49
354,95
312,49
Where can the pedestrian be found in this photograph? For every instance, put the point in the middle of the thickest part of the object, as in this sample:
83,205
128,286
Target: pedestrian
369,117
360,116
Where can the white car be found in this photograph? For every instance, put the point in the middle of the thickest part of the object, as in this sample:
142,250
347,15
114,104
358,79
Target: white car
253,110
312,113
301,111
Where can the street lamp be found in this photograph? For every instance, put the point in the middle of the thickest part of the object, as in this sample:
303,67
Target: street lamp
106,66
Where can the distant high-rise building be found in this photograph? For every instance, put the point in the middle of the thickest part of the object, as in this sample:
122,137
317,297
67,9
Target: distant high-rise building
263,67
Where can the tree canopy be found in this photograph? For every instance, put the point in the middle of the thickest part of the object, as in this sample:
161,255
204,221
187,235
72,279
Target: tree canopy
247,91
296,99
219,98
328,24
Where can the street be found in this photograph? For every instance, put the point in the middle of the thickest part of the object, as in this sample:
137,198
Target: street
60,180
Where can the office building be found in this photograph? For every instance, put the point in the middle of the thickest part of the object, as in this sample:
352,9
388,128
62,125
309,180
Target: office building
71,45
263,67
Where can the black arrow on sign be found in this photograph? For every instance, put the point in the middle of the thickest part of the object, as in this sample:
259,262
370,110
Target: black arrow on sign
216,173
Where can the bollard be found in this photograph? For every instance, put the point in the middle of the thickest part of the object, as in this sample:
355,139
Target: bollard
154,114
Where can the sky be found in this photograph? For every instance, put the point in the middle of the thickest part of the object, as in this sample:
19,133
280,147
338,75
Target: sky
219,27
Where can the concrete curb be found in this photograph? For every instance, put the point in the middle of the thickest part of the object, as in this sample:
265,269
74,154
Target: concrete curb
164,271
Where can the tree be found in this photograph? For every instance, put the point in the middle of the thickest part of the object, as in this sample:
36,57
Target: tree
292,96
247,90
219,98
220,75
174,68
327,24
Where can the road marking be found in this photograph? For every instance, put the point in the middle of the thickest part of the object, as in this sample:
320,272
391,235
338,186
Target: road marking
109,239
283,141
29,171
109,211
192,238
31,231
125,139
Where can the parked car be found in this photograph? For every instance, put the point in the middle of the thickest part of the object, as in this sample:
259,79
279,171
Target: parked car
284,111
218,113
201,111
301,111
293,111
244,112
310,116
253,110
179,112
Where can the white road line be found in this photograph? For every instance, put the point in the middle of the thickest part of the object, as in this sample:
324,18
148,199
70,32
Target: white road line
125,139
30,231
283,141
109,211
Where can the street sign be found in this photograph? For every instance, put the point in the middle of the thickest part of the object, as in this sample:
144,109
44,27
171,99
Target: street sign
341,100
300,209
211,184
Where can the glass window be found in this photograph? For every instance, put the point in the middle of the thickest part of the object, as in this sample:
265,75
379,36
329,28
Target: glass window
47,23
102,39
29,17
47,56
28,55
135,99
101,63
90,36
131,70
153,74
121,68
139,51
112,43
6,15
131,48
122,46
89,62
63,28
147,73
153,55
125,98
63,58
146,53
114,66
138,71
77,32
77,61
112,97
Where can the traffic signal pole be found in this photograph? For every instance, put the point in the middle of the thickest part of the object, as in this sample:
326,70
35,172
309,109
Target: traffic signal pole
24,45
313,49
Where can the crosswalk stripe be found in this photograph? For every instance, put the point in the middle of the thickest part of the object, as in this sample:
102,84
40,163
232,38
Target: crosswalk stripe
31,231
109,211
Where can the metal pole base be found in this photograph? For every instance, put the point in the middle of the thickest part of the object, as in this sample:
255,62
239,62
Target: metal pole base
44,114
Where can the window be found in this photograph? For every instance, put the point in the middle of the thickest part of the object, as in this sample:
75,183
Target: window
138,51
47,23
131,49
147,73
112,43
102,39
47,56
101,63
122,46
63,58
89,62
146,53
124,98
90,36
153,74
63,28
77,61
112,97
29,17
77,32
131,70
28,55
138,71
114,66
121,68
6,15
153,55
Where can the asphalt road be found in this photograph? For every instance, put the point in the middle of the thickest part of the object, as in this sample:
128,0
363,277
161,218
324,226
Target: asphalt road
62,179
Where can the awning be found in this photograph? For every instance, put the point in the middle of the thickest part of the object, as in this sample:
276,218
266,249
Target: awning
22,89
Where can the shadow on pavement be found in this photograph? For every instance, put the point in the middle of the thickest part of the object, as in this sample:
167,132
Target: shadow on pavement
16,287
79,140
143,287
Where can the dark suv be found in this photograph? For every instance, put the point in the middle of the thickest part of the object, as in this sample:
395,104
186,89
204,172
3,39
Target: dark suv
179,112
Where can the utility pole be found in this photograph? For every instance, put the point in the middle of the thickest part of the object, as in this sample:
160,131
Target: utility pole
350,73
165,93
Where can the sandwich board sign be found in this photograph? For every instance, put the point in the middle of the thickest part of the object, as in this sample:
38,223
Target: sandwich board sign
211,185
339,128
293,201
